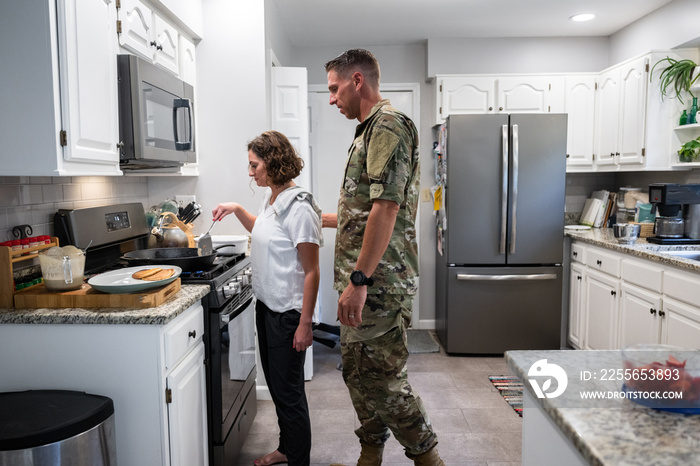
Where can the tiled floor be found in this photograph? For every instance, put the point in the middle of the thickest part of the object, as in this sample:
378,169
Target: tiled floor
475,426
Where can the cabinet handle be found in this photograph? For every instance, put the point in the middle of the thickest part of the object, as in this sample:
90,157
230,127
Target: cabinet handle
192,334
652,311
662,314
159,47
568,156
613,292
599,262
617,154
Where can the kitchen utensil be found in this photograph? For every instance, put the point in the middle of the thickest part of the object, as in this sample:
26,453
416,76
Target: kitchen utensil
669,227
62,268
188,259
626,233
204,242
120,281
230,245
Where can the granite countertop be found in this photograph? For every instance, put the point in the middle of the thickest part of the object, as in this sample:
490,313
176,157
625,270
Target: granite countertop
187,296
617,431
605,238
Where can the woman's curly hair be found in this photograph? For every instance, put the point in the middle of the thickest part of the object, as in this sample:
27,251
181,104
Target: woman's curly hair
281,160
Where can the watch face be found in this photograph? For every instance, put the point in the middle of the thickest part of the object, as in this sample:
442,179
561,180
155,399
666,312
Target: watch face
357,278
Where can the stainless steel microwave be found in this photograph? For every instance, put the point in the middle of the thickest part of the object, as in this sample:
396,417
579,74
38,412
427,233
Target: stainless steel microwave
156,116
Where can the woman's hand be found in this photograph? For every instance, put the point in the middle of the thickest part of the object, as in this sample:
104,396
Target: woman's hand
303,337
223,209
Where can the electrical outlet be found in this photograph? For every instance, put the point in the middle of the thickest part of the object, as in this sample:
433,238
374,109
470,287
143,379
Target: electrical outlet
183,199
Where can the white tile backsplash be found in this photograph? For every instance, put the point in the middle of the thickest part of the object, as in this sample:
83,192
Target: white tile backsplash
34,200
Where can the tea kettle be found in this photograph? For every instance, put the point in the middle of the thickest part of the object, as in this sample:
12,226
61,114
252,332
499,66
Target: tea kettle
173,235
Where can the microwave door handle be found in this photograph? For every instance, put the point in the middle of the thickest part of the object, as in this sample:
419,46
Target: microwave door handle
187,105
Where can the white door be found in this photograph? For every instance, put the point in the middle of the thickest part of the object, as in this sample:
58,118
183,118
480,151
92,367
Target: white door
580,105
639,316
289,109
607,108
633,91
88,43
331,136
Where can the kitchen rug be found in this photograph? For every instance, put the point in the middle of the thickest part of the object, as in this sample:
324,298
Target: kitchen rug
511,389
421,341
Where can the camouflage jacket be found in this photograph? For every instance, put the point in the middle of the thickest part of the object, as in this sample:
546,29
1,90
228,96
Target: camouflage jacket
383,163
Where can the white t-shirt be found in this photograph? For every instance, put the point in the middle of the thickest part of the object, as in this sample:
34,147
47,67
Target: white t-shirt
278,277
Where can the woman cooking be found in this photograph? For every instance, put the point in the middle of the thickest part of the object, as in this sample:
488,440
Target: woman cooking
286,236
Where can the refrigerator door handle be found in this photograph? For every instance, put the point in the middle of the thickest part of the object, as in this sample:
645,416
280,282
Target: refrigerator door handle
504,188
535,276
514,202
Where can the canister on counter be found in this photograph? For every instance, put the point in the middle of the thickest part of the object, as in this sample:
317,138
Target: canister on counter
624,215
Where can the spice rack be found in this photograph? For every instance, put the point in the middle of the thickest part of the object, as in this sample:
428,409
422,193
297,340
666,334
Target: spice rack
8,258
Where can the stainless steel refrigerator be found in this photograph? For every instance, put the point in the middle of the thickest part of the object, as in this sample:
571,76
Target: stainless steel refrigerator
501,233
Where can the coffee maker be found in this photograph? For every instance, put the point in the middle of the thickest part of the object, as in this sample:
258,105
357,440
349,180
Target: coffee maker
678,206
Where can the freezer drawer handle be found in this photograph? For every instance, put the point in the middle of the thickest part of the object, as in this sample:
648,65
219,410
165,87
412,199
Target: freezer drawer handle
535,276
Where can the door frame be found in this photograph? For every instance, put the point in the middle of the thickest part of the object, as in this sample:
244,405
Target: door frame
414,89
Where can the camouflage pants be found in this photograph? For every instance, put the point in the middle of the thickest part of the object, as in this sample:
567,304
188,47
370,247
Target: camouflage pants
375,373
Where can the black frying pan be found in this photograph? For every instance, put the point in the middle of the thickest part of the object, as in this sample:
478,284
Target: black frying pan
188,259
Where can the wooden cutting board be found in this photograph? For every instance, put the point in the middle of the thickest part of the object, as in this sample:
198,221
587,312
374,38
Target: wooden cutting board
38,297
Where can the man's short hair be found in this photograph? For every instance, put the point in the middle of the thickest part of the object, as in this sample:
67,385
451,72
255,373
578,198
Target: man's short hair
356,59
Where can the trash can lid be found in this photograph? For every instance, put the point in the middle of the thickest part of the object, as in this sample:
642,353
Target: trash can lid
39,417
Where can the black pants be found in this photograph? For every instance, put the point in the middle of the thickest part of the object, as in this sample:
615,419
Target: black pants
283,367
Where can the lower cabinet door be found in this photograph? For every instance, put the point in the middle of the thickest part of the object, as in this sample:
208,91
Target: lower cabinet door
187,410
601,311
640,314
680,325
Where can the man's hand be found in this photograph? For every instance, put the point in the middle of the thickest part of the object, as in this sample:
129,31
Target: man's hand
350,305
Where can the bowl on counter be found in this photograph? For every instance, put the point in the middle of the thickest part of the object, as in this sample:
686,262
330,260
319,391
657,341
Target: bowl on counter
662,377
626,233
230,245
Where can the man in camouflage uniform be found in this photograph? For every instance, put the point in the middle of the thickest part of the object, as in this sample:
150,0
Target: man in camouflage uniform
376,262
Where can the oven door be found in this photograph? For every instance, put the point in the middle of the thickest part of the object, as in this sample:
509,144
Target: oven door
231,364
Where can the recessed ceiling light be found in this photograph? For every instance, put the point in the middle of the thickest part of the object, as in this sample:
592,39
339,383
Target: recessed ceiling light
582,17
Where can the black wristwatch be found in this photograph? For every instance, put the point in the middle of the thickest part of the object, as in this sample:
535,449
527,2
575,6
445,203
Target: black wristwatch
358,278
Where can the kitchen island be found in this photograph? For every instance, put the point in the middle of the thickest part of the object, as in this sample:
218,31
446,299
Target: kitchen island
150,362
569,430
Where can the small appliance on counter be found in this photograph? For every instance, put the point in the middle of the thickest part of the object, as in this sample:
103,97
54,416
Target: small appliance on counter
679,213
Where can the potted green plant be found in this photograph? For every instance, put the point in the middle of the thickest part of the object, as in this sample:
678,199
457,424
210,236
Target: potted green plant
678,77
690,151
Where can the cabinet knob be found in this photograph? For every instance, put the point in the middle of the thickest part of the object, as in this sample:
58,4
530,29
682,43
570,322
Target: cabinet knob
575,254
617,154
613,292
500,109
599,262
662,313
652,311
159,47
192,334
568,156
490,108
612,154
578,277
153,43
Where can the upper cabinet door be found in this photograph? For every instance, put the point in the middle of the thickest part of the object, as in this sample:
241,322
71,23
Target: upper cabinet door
137,28
607,108
530,94
634,80
580,106
464,95
166,48
188,69
89,107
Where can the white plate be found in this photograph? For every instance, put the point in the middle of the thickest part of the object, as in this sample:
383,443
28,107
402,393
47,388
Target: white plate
577,227
120,281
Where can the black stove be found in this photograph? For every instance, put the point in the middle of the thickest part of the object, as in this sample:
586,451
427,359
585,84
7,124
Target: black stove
109,232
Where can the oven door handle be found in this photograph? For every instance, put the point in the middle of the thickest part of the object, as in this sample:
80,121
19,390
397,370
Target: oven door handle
226,317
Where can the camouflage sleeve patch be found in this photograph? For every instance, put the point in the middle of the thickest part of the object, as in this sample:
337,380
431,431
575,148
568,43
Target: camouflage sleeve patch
386,192
382,145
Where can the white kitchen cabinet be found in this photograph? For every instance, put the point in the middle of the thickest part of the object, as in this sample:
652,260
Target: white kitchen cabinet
577,280
147,34
601,311
620,114
188,67
579,104
155,375
680,324
640,316
64,109
477,94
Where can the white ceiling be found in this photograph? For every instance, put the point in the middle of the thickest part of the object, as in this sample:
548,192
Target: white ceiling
397,22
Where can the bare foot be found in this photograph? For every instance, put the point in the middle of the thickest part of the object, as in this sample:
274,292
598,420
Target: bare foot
271,458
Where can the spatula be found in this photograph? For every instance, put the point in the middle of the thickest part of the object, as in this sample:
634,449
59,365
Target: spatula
205,243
